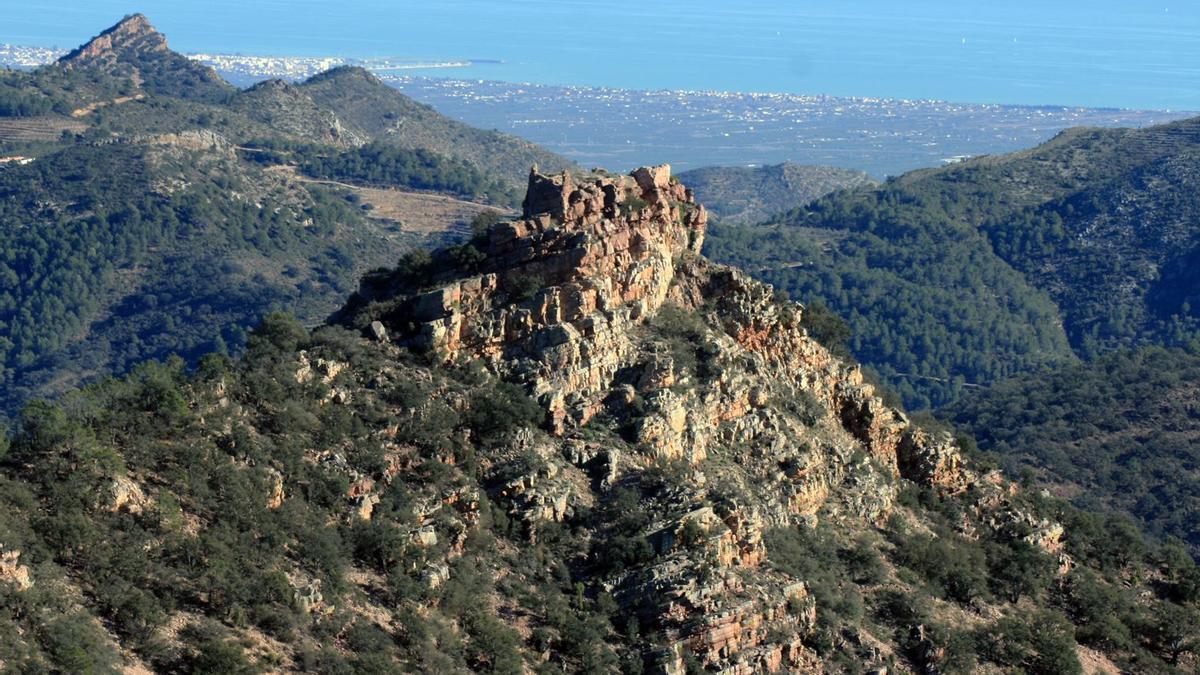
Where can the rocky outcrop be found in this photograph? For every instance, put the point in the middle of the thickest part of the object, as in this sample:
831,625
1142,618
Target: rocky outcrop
192,139
133,50
597,301
932,460
276,495
124,494
308,597
133,33
557,294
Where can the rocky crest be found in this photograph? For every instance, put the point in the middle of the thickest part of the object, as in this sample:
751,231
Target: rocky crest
131,35
555,300
556,295
133,51
598,302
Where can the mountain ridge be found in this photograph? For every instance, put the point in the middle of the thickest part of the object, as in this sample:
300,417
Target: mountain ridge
133,49
134,31
570,443
1070,249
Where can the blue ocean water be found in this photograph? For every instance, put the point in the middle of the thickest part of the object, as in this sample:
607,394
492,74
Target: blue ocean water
1100,53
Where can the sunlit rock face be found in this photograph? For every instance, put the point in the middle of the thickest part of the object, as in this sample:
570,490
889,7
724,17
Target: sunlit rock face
583,301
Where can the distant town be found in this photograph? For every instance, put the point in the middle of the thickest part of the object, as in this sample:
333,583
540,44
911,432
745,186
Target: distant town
620,128
19,56
246,69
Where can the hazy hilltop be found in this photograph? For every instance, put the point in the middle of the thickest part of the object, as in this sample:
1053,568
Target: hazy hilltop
569,444
748,195
149,208
127,80
133,53
366,102
972,272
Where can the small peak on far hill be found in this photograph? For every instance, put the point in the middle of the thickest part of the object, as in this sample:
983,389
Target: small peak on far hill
744,195
133,49
366,102
131,34
344,74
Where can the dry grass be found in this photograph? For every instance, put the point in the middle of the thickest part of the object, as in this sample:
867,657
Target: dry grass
420,212
93,107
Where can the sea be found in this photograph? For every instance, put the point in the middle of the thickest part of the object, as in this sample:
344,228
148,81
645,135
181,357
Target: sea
1096,53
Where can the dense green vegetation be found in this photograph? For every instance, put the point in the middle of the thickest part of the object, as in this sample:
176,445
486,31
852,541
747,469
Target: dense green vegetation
927,309
997,266
19,99
95,281
944,573
1121,433
206,546
381,165
54,90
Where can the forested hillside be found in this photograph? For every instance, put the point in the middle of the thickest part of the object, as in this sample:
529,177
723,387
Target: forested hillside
929,308
710,490
964,274
165,212
1119,434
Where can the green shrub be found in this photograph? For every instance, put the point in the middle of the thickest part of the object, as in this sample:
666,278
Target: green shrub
75,644
1041,644
498,410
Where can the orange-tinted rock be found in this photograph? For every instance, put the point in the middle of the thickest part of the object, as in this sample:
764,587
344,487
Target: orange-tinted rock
132,32
602,258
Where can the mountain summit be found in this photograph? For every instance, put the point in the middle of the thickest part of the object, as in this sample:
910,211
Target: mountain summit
134,49
131,35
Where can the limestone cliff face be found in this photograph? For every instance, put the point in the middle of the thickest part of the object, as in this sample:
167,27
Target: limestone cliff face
557,299
598,302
